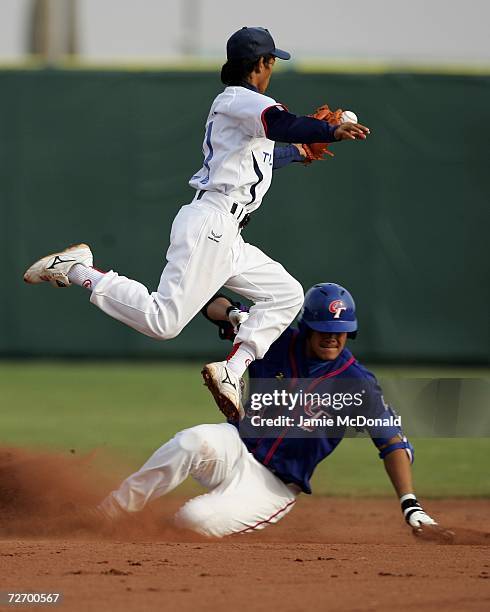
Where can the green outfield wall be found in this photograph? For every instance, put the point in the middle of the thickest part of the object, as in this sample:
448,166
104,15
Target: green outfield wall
401,220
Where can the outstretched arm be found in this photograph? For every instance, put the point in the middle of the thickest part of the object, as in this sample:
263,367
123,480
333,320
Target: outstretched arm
399,469
282,126
397,454
397,465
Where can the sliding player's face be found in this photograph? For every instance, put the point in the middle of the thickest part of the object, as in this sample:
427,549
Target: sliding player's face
326,346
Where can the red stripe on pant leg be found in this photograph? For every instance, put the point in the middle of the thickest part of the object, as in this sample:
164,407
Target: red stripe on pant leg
269,519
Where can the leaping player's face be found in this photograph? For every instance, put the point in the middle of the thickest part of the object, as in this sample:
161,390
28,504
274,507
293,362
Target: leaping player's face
326,346
264,73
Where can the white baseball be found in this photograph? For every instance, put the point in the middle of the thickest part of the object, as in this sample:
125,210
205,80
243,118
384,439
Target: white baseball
348,117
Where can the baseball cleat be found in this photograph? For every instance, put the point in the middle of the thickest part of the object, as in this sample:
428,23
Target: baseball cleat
90,517
54,268
81,518
226,388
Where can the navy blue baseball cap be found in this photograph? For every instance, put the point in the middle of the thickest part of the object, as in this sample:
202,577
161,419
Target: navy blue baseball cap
251,43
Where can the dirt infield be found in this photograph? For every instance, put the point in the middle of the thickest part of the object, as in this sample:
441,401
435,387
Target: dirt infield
327,554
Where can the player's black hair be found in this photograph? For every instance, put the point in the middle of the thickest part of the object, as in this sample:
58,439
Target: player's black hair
236,72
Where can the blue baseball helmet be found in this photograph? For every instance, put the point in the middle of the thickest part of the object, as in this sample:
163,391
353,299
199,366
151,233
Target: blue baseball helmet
329,307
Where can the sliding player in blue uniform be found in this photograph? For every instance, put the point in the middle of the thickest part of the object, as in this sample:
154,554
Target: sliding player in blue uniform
255,480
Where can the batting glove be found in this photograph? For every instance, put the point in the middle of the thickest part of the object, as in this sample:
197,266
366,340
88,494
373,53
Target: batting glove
414,513
236,317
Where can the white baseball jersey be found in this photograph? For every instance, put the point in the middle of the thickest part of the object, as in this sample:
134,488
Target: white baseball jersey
238,156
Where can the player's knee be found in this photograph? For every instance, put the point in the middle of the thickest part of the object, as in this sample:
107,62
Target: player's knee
167,332
299,293
194,440
189,440
170,335
295,293
162,323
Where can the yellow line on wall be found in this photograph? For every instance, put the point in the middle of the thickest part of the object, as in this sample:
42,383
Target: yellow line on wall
307,67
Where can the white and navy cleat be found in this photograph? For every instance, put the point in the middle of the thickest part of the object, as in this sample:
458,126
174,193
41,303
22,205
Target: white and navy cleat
226,388
54,268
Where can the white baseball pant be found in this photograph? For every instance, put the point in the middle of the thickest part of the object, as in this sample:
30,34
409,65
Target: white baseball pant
244,496
206,253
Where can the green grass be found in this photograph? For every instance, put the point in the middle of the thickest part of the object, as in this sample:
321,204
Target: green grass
132,408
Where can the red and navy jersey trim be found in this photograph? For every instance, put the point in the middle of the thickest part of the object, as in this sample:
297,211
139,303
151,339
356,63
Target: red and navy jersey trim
310,388
262,115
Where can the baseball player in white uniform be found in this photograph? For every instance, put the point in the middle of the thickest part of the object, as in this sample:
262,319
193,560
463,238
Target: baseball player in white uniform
206,248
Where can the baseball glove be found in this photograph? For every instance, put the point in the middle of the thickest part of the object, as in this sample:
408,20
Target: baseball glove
318,150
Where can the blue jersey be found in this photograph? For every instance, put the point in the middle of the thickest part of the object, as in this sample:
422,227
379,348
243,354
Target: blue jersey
294,459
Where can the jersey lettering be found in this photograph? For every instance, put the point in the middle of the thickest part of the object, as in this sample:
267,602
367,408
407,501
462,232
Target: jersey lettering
268,158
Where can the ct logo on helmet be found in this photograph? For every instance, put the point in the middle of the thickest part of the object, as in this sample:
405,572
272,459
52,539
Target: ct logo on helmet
336,307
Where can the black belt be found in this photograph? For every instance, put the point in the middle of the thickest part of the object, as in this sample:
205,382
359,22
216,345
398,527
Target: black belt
233,209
